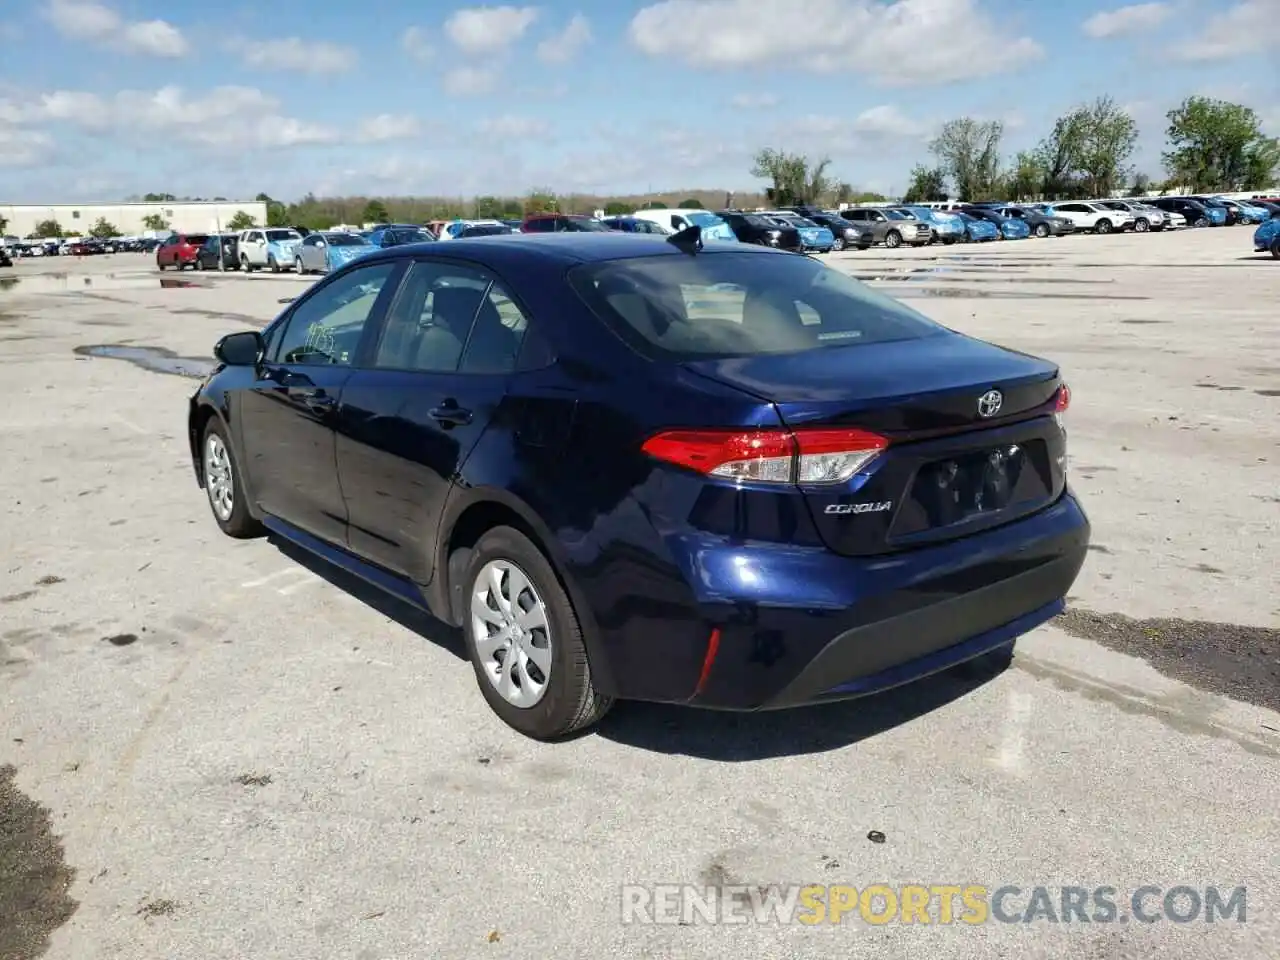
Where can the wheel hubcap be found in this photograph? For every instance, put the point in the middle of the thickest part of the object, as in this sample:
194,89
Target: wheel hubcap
512,635
218,481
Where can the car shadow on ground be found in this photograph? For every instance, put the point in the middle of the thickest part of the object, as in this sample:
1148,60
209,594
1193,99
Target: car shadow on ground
707,734
741,737
402,612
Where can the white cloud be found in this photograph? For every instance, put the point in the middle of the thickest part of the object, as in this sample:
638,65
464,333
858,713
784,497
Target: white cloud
388,126
512,127
226,117
1125,20
904,43
1248,27
23,148
754,101
98,23
488,29
297,55
888,121
417,43
874,129
470,81
564,46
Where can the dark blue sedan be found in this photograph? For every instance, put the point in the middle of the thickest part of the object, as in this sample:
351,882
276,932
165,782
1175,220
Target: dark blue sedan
637,467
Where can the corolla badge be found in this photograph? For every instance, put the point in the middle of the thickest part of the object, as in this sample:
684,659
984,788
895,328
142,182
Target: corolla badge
989,403
845,509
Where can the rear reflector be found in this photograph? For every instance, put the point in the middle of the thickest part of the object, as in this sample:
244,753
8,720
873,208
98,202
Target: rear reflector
769,456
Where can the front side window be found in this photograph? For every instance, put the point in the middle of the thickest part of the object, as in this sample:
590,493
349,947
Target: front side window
731,305
326,327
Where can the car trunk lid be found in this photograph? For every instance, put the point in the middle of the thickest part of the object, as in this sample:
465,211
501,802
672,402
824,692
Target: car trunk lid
943,468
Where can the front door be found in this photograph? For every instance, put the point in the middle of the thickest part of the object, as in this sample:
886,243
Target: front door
409,419
287,416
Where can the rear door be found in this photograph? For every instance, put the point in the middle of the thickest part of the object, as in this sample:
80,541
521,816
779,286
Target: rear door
409,420
287,416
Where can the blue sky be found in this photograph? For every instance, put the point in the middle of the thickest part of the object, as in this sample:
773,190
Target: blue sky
101,100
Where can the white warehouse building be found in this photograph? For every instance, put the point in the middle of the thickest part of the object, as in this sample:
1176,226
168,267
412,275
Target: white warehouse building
130,219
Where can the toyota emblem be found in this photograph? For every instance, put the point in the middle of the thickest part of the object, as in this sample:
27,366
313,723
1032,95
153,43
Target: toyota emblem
989,404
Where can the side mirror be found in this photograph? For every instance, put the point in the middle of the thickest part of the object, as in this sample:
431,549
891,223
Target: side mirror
240,349
321,243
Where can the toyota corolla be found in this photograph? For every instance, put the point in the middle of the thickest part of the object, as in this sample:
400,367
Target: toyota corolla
643,468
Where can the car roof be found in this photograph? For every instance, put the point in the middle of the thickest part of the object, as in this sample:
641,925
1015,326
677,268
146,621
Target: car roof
565,249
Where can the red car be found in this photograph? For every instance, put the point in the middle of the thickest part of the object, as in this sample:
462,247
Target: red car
180,250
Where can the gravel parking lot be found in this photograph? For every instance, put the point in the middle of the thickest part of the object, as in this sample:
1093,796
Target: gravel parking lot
220,751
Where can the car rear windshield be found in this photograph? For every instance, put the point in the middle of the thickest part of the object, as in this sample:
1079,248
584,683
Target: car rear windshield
346,240
195,239
585,224
282,235
740,305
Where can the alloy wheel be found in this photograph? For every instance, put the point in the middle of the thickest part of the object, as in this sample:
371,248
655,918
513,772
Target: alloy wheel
511,633
219,482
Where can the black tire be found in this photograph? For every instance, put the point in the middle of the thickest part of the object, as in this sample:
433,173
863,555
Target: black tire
893,239
200,263
240,523
1275,248
838,245
160,266
1042,230
1103,226
272,265
245,265
1141,225
571,702
298,268
1202,222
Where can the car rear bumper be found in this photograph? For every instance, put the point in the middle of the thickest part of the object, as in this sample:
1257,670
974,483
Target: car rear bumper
811,626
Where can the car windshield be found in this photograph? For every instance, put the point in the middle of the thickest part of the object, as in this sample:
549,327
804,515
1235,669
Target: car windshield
276,235
345,240
705,220
584,224
897,215
409,236
740,305
764,223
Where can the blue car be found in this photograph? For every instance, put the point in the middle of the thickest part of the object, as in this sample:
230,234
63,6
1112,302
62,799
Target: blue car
398,234
1267,237
813,236
327,250
976,229
1008,228
1245,211
635,225
946,227
799,491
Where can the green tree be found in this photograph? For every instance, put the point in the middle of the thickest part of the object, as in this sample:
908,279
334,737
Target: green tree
488,208
927,183
1261,165
242,221
103,230
48,229
153,221
968,152
3,224
616,208
159,198
1059,156
1140,185
512,209
1106,146
1025,178
795,178
375,211
1217,145
654,205
540,200
691,203
843,192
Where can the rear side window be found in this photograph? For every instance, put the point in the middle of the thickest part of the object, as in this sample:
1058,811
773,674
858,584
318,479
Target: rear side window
196,239
740,305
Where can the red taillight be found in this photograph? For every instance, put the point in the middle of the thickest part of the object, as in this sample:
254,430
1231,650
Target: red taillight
1062,399
769,456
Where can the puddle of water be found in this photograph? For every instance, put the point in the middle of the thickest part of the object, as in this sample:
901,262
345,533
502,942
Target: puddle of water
155,359
79,283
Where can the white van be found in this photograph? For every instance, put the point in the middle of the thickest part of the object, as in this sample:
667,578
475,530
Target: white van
713,228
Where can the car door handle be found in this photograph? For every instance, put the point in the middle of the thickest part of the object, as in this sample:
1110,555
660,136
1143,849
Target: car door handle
451,415
317,399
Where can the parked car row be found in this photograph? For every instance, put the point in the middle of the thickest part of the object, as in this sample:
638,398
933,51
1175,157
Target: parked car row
78,246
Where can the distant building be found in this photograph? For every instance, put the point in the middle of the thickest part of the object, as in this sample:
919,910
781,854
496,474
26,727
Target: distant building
77,219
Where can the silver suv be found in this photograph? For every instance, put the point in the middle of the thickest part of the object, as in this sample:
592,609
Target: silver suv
1145,216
